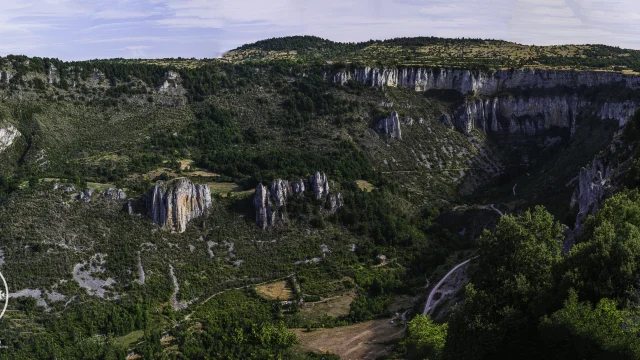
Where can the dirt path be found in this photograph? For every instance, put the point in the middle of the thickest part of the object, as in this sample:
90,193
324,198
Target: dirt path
498,211
433,292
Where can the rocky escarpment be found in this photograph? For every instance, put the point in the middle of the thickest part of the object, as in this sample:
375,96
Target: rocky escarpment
534,115
270,202
171,85
481,82
504,114
390,126
172,205
8,135
599,180
5,77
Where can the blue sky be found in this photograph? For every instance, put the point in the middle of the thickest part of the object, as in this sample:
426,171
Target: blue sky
83,29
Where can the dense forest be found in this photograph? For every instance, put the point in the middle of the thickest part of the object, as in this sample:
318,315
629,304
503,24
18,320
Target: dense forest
267,111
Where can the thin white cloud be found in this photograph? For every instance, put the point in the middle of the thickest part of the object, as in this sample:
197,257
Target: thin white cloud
197,27
136,50
123,14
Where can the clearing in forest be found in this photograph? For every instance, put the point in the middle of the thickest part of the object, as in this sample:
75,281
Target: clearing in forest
277,290
365,185
334,306
368,340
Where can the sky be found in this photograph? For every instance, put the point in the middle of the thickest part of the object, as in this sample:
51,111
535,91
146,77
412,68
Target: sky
89,29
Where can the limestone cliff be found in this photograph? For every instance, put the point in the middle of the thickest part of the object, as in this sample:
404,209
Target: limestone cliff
319,185
390,126
481,82
597,181
5,77
534,115
270,202
8,135
172,205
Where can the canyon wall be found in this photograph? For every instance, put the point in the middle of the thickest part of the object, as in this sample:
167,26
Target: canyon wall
481,82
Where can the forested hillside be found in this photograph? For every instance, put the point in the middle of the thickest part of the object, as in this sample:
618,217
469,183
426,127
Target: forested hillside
297,194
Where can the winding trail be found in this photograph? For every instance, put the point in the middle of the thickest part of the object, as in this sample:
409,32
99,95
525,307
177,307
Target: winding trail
498,211
427,306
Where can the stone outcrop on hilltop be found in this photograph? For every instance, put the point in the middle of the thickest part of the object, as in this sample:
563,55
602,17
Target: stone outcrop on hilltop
172,205
481,82
8,135
390,126
171,84
53,75
269,202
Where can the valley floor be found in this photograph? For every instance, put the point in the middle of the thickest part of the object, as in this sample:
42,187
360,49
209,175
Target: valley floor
367,340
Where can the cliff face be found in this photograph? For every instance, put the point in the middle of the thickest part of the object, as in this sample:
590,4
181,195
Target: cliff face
174,204
8,135
534,115
503,114
390,126
5,77
269,202
481,82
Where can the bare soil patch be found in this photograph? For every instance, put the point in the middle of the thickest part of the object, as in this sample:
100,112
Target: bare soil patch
368,340
277,290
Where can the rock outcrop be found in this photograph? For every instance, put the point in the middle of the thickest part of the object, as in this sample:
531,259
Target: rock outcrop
270,202
533,115
172,205
594,184
390,126
5,77
8,135
508,115
114,194
481,82
53,75
319,185
335,202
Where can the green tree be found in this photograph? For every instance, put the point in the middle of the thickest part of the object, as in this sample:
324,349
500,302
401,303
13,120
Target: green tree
580,331
606,261
511,289
425,339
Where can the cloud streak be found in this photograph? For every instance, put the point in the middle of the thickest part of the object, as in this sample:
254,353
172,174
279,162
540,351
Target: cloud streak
79,29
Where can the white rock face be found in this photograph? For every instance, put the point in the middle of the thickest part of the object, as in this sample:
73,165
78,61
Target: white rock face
5,77
480,82
541,112
319,185
52,75
390,126
8,135
270,202
533,115
174,204
594,184
262,207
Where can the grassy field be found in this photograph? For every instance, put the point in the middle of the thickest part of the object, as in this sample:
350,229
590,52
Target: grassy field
365,185
365,341
334,306
275,291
